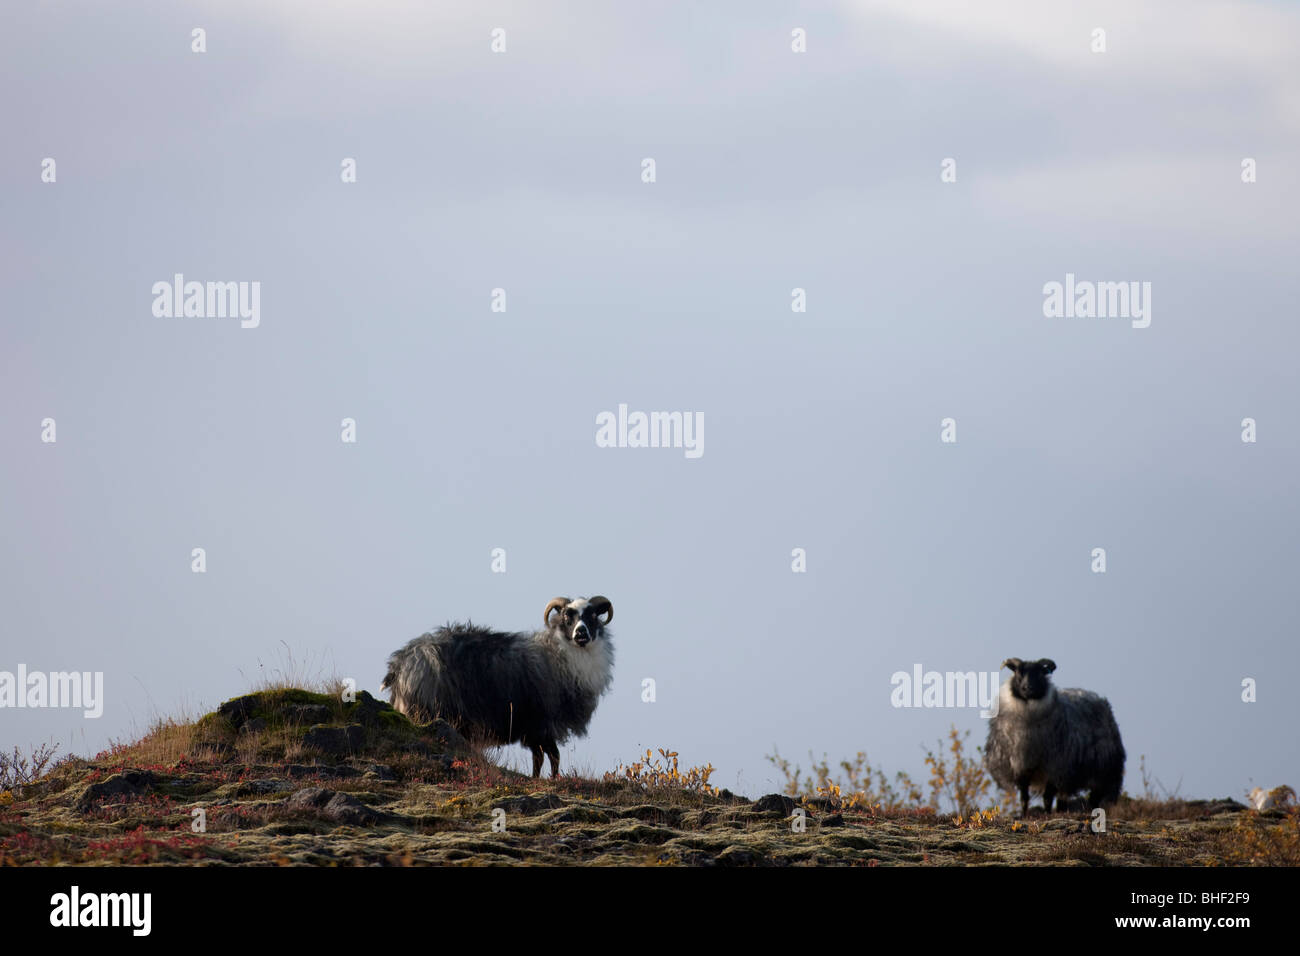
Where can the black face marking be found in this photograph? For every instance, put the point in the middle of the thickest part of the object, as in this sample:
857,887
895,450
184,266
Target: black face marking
1030,680
581,626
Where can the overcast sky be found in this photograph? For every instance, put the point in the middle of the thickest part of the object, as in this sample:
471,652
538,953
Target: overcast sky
774,170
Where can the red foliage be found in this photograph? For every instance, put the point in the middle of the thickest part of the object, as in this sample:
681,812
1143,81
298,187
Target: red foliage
136,847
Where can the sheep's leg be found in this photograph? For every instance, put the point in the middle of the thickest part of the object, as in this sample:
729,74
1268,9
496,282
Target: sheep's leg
553,752
537,759
1024,799
1049,792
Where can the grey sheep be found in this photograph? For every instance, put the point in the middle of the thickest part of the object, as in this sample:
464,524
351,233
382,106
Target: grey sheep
1056,742
500,687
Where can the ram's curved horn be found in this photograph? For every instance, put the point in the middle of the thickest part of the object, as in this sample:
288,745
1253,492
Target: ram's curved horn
559,602
602,605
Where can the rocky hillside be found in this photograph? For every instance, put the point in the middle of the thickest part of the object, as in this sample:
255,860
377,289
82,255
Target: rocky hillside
292,777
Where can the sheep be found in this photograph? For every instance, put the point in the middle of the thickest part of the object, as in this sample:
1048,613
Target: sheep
1277,798
497,687
1056,741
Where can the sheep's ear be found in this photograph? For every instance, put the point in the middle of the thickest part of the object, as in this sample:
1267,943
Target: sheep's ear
1012,663
1047,665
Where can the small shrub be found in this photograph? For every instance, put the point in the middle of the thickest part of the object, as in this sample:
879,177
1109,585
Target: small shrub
17,770
1254,842
978,820
957,781
857,784
663,773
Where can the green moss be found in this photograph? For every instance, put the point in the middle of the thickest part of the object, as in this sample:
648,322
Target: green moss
397,721
213,728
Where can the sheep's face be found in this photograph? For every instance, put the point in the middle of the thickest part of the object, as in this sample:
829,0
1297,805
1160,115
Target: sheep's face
580,622
1030,680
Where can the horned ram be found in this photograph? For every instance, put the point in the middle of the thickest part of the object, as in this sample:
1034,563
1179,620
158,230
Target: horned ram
496,687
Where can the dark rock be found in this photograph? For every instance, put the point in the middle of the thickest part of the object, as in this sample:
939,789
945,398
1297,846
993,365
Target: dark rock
241,710
448,737
639,833
1221,805
261,785
774,803
649,813
253,726
309,713
348,809
340,807
238,710
380,771
834,820
367,709
335,741
308,798
527,805
737,856
423,748
298,770
126,783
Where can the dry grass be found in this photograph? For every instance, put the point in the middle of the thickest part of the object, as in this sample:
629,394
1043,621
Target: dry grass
958,781
1158,802
1262,839
179,737
290,673
167,741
